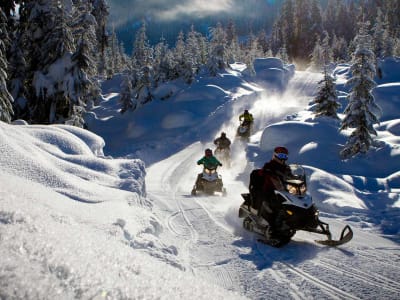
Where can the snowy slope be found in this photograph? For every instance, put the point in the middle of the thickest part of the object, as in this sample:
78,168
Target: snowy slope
111,216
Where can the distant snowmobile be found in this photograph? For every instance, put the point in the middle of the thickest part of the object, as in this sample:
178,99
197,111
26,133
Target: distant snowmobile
297,212
244,129
209,182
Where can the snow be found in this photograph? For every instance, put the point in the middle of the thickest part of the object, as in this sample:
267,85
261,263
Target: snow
107,213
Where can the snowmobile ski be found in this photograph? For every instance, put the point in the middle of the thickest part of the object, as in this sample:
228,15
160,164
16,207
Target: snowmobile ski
345,237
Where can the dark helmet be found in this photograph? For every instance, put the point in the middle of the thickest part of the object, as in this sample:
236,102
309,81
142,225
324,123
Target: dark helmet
246,111
281,153
208,152
223,134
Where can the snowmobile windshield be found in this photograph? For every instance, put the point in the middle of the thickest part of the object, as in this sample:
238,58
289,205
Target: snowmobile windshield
297,171
296,187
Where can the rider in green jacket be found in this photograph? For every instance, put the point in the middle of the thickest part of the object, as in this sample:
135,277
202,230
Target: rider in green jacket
208,160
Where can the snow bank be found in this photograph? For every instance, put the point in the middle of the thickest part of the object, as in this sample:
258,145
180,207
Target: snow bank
76,225
64,158
271,72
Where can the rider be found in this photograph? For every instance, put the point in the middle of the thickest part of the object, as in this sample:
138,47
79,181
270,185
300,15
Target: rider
222,142
271,177
209,160
246,117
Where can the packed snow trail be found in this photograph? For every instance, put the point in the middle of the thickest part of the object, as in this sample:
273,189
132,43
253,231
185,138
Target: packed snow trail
211,243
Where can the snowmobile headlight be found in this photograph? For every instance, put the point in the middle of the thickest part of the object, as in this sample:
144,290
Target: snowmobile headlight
291,189
289,212
209,171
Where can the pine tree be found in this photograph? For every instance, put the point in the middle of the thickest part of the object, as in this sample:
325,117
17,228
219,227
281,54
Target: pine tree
283,55
161,69
193,49
317,60
233,50
54,103
142,88
339,50
218,56
326,100
126,99
6,99
100,11
142,51
362,112
379,35
251,53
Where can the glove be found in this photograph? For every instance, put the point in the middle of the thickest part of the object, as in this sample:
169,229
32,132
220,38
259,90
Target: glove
220,165
199,163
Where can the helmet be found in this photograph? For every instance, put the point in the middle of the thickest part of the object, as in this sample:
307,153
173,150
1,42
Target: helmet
281,153
246,111
208,152
223,134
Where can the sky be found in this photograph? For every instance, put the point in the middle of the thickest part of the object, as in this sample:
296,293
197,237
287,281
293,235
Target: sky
175,10
108,214
167,18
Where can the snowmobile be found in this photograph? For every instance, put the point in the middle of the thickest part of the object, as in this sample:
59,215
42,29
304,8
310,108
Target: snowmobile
209,182
224,156
244,129
297,212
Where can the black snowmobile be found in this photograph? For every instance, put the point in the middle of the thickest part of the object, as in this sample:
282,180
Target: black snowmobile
244,129
209,182
297,212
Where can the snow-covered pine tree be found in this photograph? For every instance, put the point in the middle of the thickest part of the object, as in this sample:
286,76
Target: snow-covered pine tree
50,81
326,100
17,68
378,32
142,89
283,30
233,49
100,11
78,85
339,50
6,99
322,53
263,43
142,51
161,70
251,52
76,119
327,52
126,99
184,60
193,48
283,55
218,56
317,59
362,112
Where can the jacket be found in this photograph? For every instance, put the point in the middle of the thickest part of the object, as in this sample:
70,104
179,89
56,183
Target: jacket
274,174
222,142
247,117
209,162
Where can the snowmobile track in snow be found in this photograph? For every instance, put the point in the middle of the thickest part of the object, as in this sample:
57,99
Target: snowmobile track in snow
371,279
332,291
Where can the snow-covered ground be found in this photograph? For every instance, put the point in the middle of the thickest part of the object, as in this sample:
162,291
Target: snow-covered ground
80,218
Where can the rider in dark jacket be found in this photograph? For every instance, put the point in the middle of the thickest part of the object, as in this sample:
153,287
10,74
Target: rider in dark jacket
271,177
222,142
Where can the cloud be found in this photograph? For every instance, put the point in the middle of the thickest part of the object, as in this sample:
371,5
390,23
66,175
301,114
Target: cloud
122,11
196,8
